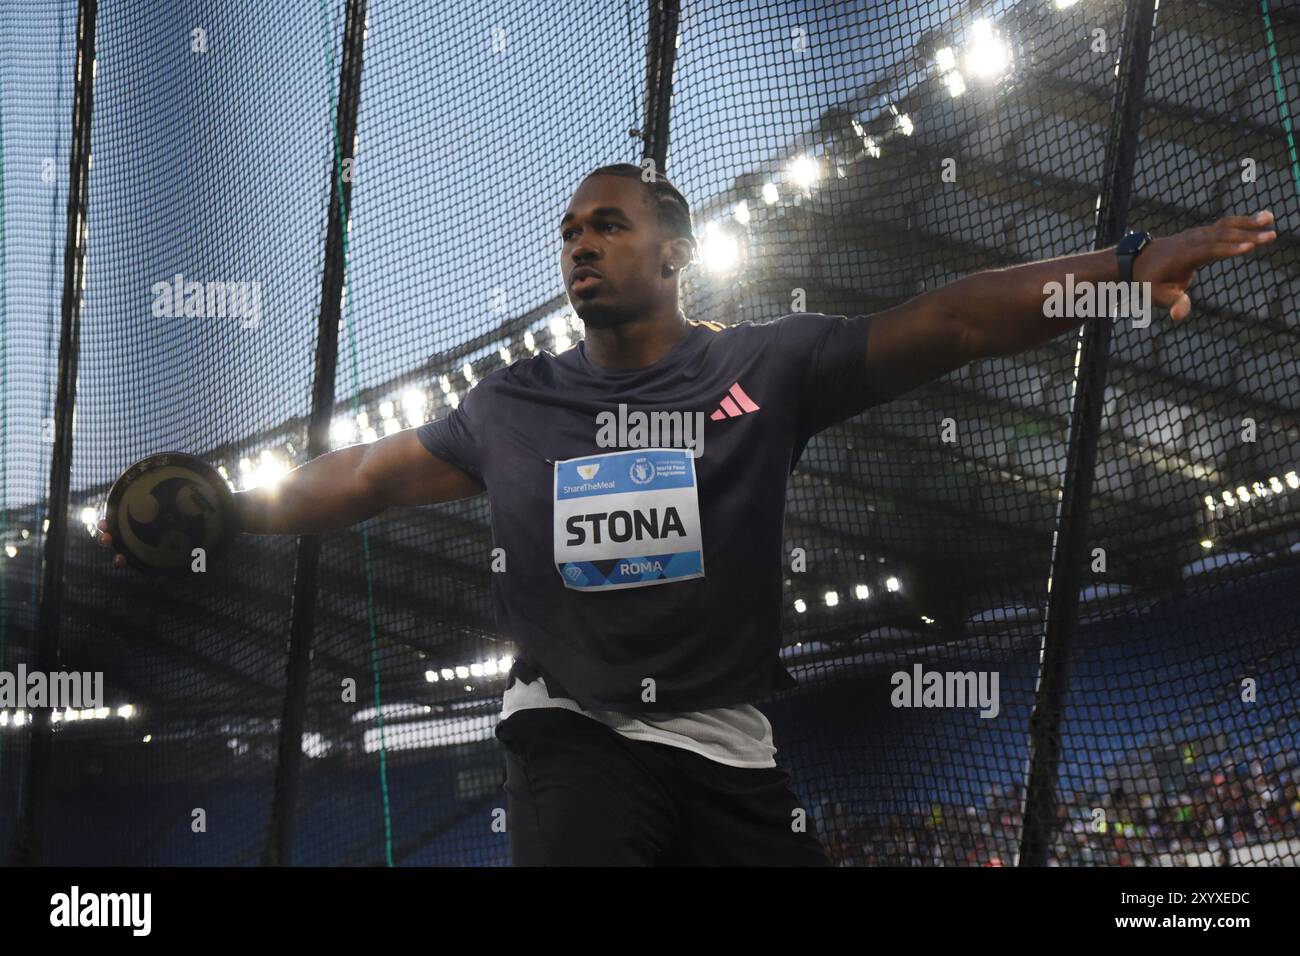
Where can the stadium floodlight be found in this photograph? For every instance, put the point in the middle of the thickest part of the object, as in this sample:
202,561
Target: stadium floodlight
414,403
902,121
562,342
343,431
392,426
504,352
530,343
799,605
462,672
862,592
431,676
804,171
559,326
742,212
11,551
468,371
1210,503
476,669
956,85
1275,484
945,59
1243,495
505,663
892,583
987,56
448,673
88,517
126,711
453,400
770,193
444,382
1292,480
832,598
386,408
1207,544
369,435
719,251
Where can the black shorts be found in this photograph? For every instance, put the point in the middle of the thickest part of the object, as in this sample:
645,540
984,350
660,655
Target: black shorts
581,794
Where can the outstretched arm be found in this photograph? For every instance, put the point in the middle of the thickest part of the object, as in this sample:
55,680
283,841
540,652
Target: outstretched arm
1001,311
352,484
345,487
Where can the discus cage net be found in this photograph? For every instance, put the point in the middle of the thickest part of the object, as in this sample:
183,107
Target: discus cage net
382,184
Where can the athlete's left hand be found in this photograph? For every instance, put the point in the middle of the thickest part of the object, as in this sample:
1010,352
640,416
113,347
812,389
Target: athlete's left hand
1170,263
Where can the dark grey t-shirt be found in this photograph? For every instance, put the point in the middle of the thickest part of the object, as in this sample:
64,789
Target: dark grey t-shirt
640,580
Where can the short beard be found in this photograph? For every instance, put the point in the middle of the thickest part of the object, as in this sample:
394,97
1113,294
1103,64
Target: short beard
603,317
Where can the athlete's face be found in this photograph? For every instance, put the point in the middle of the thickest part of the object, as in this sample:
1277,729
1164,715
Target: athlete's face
615,255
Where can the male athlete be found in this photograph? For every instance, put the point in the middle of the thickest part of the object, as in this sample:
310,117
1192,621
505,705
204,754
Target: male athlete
637,486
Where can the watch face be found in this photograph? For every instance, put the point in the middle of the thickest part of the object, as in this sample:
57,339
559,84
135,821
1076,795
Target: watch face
1132,243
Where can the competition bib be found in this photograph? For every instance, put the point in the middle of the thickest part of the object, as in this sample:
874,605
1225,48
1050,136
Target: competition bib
627,519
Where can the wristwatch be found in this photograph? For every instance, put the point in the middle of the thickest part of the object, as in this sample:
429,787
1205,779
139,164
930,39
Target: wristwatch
1127,251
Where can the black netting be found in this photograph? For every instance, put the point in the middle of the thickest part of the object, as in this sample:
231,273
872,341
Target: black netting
838,160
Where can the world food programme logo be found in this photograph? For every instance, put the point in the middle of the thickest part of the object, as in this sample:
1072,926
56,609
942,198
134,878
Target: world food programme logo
643,471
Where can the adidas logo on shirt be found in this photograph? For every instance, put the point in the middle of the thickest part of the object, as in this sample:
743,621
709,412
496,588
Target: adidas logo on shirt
735,404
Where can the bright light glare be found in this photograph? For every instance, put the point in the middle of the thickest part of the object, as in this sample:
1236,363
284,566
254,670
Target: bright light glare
414,402
956,85
861,592
270,469
988,55
343,431
892,583
832,598
945,58
804,172
799,605
88,517
742,212
719,252
770,194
